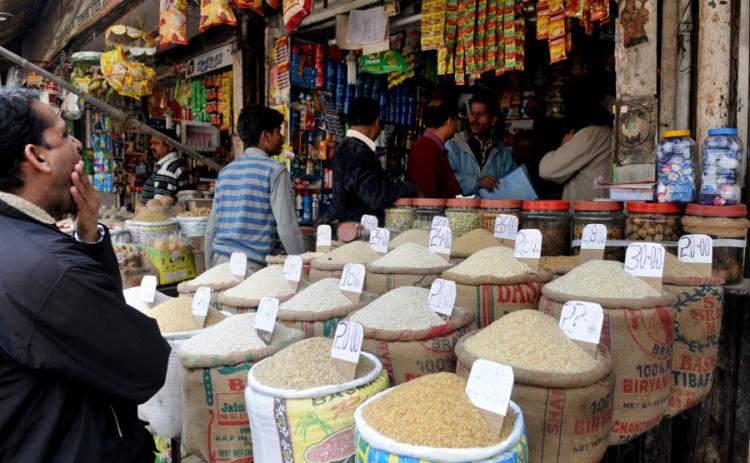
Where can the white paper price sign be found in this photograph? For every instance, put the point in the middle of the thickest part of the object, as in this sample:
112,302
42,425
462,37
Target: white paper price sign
489,388
238,264
201,301
148,289
324,238
646,261
347,346
506,227
292,271
379,240
265,318
696,249
440,221
441,240
369,223
582,321
594,236
352,280
442,296
528,247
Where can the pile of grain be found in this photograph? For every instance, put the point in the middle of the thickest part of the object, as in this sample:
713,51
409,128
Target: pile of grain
176,315
232,336
305,365
472,242
306,258
434,411
320,296
197,212
602,279
416,236
403,308
267,282
675,268
530,340
559,265
495,262
356,252
219,277
133,299
410,255
150,215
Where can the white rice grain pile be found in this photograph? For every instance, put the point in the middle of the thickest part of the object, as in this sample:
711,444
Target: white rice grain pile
602,279
416,236
403,308
410,255
306,257
215,277
133,299
321,296
356,252
267,282
495,262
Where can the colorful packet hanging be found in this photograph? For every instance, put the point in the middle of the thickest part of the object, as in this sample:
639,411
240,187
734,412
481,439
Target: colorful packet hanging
294,11
433,24
557,50
172,23
490,49
460,69
556,7
575,9
479,43
255,5
470,31
520,43
216,13
509,33
556,26
542,22
599,10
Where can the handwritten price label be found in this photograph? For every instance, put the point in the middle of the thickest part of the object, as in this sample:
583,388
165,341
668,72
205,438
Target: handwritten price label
594,236
441,240
292,268
379,240
347,347
265,319
506,227
489,388
582,321
369,223
440,221
442,296
323,238
148,289
528,247
645,260
201,301
352,280
696,249
238,264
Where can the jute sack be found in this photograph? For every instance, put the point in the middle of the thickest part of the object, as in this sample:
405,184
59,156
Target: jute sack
640,341
320,323
318,274
381,283
215,420
312,425
697,327
374,447
568,416
409,354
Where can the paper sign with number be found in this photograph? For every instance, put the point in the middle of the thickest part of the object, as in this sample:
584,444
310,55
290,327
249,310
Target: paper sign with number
201,301
582,321
506,227
379,240
698,252
442,297
238,264
148,289
529,247
324,238
293,270
489,389
646,261
441,240
593,242
369,223
347,346
440,221
265,318
352,281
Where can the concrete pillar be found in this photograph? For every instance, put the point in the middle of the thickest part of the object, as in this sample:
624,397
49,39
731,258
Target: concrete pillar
684,66
668,65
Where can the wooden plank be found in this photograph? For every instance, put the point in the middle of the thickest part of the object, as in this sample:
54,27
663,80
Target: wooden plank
668,65
743,82
636,65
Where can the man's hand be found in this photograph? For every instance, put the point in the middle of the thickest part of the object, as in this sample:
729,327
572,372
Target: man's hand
568,136
489,183
87,203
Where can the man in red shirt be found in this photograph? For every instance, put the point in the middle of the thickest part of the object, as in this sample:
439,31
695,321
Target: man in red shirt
428,166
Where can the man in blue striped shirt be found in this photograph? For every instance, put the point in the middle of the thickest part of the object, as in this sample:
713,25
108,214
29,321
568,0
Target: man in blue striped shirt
253,204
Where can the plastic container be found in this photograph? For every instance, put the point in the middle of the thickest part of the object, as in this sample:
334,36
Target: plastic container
147,232
553,220
658,222
727,225
192,226
722,154
675,169
491,208
463,215
425,210
607,213
400,216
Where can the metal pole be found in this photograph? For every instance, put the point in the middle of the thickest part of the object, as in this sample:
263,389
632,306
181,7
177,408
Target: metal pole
104,106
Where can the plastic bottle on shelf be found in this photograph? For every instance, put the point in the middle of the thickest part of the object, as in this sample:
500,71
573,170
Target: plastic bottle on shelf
307,208
302,112
722,151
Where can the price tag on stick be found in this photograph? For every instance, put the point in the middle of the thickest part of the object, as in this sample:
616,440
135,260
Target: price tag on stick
582,322
265,318
323,239
238,264
593,242
352,281
442,297
529,247
506,229
347,346
293,271
201,301
489,388
148,289
646,261
441,240
697,251
368,223
380,238
440,221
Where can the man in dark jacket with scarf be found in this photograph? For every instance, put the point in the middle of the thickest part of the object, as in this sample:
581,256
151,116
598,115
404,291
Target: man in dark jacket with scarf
75,359
360,184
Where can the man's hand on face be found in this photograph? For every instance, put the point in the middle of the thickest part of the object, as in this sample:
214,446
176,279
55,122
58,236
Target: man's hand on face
489,183
87,205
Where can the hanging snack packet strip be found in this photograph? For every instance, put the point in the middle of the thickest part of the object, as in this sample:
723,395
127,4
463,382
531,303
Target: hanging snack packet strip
479,43
451,26
509,32
172,23
542,21
216,13
470,31
490,49
433,24
520,42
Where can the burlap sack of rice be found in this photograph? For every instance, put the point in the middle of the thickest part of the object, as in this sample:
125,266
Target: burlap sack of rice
267,282
331,264
567,407
408,337
492,283
307,259
408,265
638,331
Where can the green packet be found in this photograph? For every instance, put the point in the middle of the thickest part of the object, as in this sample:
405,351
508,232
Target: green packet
383,63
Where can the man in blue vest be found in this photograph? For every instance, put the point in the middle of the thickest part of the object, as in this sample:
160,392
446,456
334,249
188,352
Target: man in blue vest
253,204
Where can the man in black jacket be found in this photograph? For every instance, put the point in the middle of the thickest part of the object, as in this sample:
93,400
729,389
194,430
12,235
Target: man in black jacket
360,185
75,359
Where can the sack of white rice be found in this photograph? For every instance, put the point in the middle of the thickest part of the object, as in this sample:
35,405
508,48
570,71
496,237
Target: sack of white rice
416,236
214,372
266,282
565,392
408,265
217,278
492,283
471,242
408,337
331,264
638,330
302,384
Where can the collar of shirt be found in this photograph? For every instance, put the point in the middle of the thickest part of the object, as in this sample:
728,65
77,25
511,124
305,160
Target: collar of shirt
27,207
253,151
362,137
431,135
169,157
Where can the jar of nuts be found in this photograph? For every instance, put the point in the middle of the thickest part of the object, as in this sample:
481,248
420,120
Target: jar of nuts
727,225
489,209
463,215
426,209
400,216
607,213
551,217
658,222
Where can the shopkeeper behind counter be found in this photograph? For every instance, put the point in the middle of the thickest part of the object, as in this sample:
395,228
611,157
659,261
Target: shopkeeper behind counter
171,173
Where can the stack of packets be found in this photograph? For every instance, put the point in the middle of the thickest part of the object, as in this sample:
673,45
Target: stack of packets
553,22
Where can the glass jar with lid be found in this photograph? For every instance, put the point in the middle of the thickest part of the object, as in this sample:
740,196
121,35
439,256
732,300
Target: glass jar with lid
463,215
607,213
675,167
551,217
722,156
727,225
658,222
426,209
491,208
400,216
